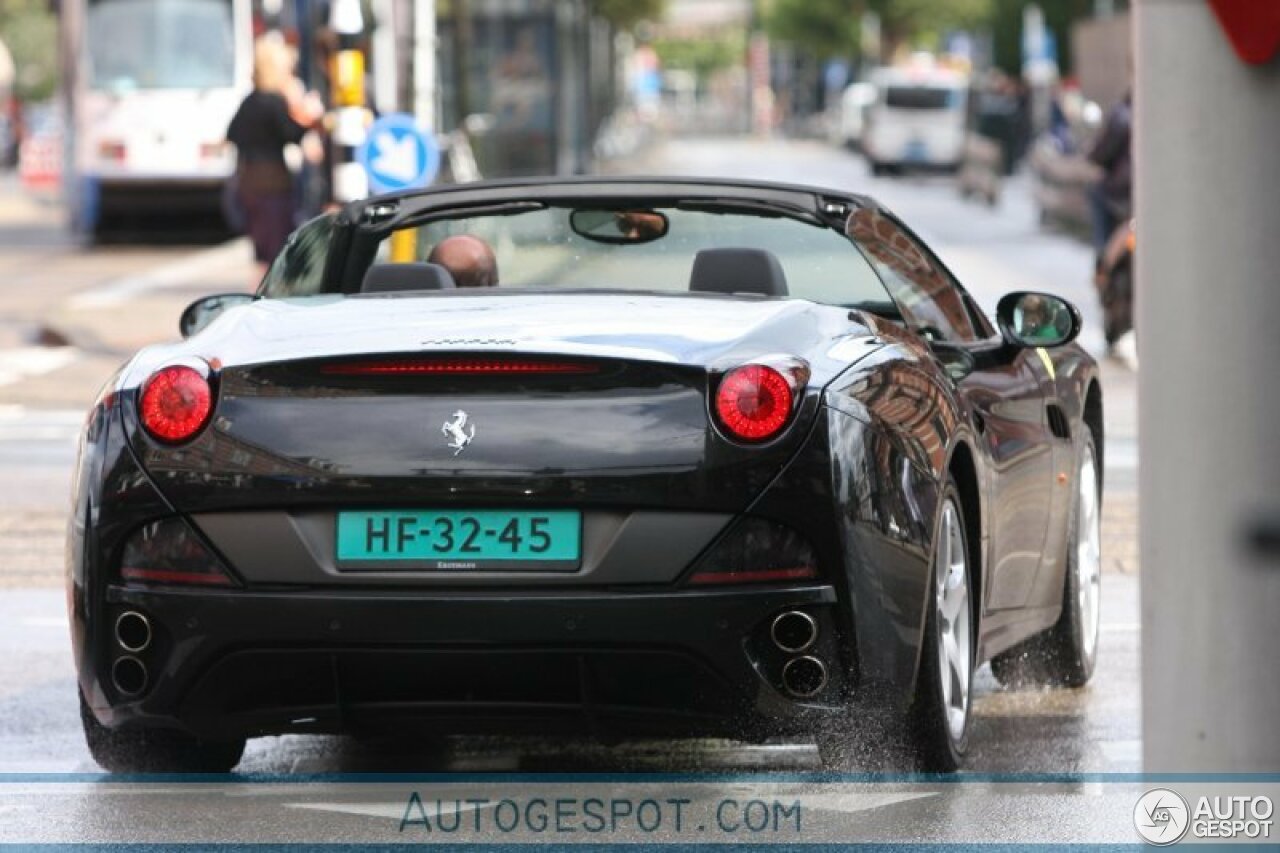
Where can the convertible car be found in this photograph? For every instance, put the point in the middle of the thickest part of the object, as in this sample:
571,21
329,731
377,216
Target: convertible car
703,458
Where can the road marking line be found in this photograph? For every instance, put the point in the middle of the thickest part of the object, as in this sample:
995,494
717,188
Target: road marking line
46,622
24,362
394,811
859,802
11,412
187,270
21,424
61,434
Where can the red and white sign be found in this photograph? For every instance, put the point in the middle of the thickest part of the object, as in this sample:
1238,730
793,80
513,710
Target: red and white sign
40,162
1253,26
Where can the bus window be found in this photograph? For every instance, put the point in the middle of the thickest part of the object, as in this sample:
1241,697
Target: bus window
160,44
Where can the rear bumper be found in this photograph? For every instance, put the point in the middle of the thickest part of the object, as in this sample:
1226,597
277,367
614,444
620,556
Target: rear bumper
194,194
899,150
238,663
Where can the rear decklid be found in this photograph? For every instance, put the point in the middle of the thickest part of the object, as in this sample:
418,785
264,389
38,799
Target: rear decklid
588,399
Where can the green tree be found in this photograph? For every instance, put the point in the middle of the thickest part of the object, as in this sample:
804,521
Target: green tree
30,32
827,28
921,23
1059,15
702,55
821,28
627,14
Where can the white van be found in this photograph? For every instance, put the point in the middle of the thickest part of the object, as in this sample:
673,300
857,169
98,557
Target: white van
917,118
852,114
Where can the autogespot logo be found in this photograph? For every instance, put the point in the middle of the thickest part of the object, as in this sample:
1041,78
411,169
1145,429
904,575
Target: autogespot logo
1161,817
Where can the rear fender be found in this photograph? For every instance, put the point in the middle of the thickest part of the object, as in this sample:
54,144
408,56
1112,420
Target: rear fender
867,511
896,422
111,496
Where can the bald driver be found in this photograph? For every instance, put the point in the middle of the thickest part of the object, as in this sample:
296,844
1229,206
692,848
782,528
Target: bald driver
468,259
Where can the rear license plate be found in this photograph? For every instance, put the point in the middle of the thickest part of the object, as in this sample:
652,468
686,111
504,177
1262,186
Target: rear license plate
463,540
916,151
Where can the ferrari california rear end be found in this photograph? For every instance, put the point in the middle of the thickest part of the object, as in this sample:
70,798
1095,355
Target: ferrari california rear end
695,508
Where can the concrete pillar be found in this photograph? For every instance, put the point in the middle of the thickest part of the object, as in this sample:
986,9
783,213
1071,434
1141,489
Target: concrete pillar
1208,206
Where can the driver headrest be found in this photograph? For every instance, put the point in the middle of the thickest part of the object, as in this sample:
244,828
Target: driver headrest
393,278
738,271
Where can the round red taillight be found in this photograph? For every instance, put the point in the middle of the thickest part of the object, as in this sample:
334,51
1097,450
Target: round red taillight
754,402
175,404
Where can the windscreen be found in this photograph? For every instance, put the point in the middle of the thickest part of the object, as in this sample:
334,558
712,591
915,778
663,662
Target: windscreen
921,98
160,44
542,249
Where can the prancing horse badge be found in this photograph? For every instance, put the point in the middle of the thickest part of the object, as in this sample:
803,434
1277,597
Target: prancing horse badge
460,431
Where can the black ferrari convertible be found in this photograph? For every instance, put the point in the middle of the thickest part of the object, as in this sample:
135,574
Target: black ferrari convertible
620,456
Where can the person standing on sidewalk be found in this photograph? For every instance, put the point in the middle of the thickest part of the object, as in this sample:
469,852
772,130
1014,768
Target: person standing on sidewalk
1110,198
278,112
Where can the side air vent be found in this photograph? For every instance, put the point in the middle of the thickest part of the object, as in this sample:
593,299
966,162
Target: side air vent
1058,423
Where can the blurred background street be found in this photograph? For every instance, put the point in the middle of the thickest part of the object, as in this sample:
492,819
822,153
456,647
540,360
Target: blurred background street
100,304
106,234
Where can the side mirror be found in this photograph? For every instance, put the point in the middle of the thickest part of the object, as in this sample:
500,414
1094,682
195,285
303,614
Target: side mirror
1037,320
203,311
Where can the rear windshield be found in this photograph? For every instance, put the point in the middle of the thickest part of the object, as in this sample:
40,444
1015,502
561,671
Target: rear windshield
921,98
541,249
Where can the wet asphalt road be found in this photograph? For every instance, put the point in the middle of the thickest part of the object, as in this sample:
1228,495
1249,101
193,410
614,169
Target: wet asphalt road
1093,730
1089,731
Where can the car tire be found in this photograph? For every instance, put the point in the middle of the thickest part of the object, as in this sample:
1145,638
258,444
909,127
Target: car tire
156,750
940,715
1066,654
876,736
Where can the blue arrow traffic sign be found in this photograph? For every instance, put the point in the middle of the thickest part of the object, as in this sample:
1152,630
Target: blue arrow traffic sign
397,155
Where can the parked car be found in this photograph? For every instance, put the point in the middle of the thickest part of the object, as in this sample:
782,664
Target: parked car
854,101
917,119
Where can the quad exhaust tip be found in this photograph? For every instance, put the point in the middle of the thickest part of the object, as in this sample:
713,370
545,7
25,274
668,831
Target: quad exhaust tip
129,675
794,631
133,631
804,677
